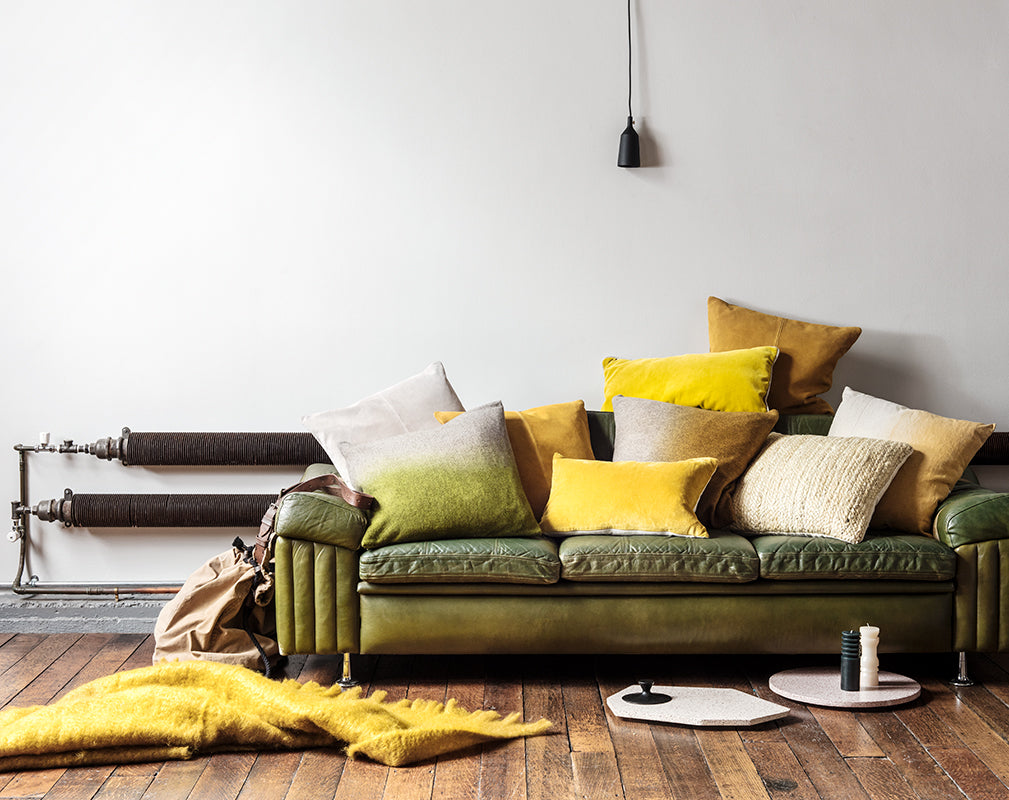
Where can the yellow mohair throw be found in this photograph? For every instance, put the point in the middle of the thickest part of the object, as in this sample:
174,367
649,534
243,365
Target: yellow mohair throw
178,710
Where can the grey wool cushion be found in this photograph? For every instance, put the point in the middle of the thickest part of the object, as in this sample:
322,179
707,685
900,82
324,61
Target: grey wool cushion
650,430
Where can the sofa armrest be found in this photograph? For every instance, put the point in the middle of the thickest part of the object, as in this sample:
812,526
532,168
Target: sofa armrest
320,517
315,596
981,601
971,515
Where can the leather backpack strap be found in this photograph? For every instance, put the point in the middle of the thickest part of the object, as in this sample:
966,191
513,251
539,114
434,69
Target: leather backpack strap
331,483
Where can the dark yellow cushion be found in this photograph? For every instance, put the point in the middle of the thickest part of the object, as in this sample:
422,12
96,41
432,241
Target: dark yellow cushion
535,435
808,352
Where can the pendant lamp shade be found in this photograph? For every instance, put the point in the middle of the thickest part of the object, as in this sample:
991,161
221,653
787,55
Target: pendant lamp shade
630,150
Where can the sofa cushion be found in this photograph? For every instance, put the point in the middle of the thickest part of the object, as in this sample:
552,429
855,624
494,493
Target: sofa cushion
650,430
808,352
626,497
720,558
900,557
816,485
497,560
733,381
456,481
407,406
535,435
942,449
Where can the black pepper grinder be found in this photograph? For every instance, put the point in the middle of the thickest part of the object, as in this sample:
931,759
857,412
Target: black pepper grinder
849,660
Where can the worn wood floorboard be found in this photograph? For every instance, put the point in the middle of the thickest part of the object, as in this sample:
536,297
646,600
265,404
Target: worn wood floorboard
950,743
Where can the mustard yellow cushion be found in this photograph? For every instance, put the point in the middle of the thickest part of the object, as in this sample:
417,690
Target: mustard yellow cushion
535,435
627,496
943,447
808,352
733,381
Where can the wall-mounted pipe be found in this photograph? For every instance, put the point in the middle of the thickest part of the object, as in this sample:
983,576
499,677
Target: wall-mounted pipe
176,448
155,510
153,449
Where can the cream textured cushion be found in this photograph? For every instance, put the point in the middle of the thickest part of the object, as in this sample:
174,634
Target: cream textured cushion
816,485
943,447
407,406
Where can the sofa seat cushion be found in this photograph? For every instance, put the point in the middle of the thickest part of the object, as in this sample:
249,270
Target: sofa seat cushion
494,560
880,556
722,557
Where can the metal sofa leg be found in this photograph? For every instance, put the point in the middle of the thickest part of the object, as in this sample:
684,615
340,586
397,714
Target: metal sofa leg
347,681
962,678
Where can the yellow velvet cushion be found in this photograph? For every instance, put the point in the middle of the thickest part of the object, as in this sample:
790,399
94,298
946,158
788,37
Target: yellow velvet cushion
808,352
535,435
627,496
732,381
943,447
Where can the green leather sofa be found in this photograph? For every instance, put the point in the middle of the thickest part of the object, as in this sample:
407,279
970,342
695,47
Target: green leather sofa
643,594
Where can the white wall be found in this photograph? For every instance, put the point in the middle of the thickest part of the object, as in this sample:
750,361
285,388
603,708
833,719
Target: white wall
222,215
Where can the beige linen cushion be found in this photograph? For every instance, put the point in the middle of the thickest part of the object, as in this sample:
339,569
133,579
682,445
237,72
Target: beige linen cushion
816,485
651,430
407,406
943,447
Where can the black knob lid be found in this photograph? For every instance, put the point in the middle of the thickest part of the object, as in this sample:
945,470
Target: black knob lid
646,697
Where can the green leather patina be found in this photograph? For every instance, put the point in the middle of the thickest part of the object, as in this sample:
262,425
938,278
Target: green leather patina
811,424
499,560
319,516
972,514
739,623
663,589
723,558
981,617
898,557
318,610
602,432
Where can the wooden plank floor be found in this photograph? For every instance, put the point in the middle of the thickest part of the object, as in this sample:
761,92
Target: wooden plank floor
948,744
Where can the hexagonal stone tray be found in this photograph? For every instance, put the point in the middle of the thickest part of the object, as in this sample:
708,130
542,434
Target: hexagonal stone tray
698,706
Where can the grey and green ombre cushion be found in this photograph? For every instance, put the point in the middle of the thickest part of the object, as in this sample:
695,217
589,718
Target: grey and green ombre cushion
454,482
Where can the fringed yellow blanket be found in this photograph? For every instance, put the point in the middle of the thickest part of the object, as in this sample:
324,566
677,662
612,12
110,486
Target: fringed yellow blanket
178,710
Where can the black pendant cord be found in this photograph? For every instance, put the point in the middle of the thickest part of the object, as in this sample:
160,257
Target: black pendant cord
630,60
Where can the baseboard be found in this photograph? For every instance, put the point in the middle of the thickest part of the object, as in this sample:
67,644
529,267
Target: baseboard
68,614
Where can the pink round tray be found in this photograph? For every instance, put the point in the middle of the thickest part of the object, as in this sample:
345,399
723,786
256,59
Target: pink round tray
821,686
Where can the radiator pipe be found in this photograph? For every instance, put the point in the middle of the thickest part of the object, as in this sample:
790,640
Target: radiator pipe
21,514
177,448
155,510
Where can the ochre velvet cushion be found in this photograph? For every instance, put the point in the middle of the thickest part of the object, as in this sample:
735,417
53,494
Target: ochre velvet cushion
650,430
407,406
733,381
535,435
808,352
627,496
454,482
943,447
815,485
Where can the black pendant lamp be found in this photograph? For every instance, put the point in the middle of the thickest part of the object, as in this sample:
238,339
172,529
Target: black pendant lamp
630,150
